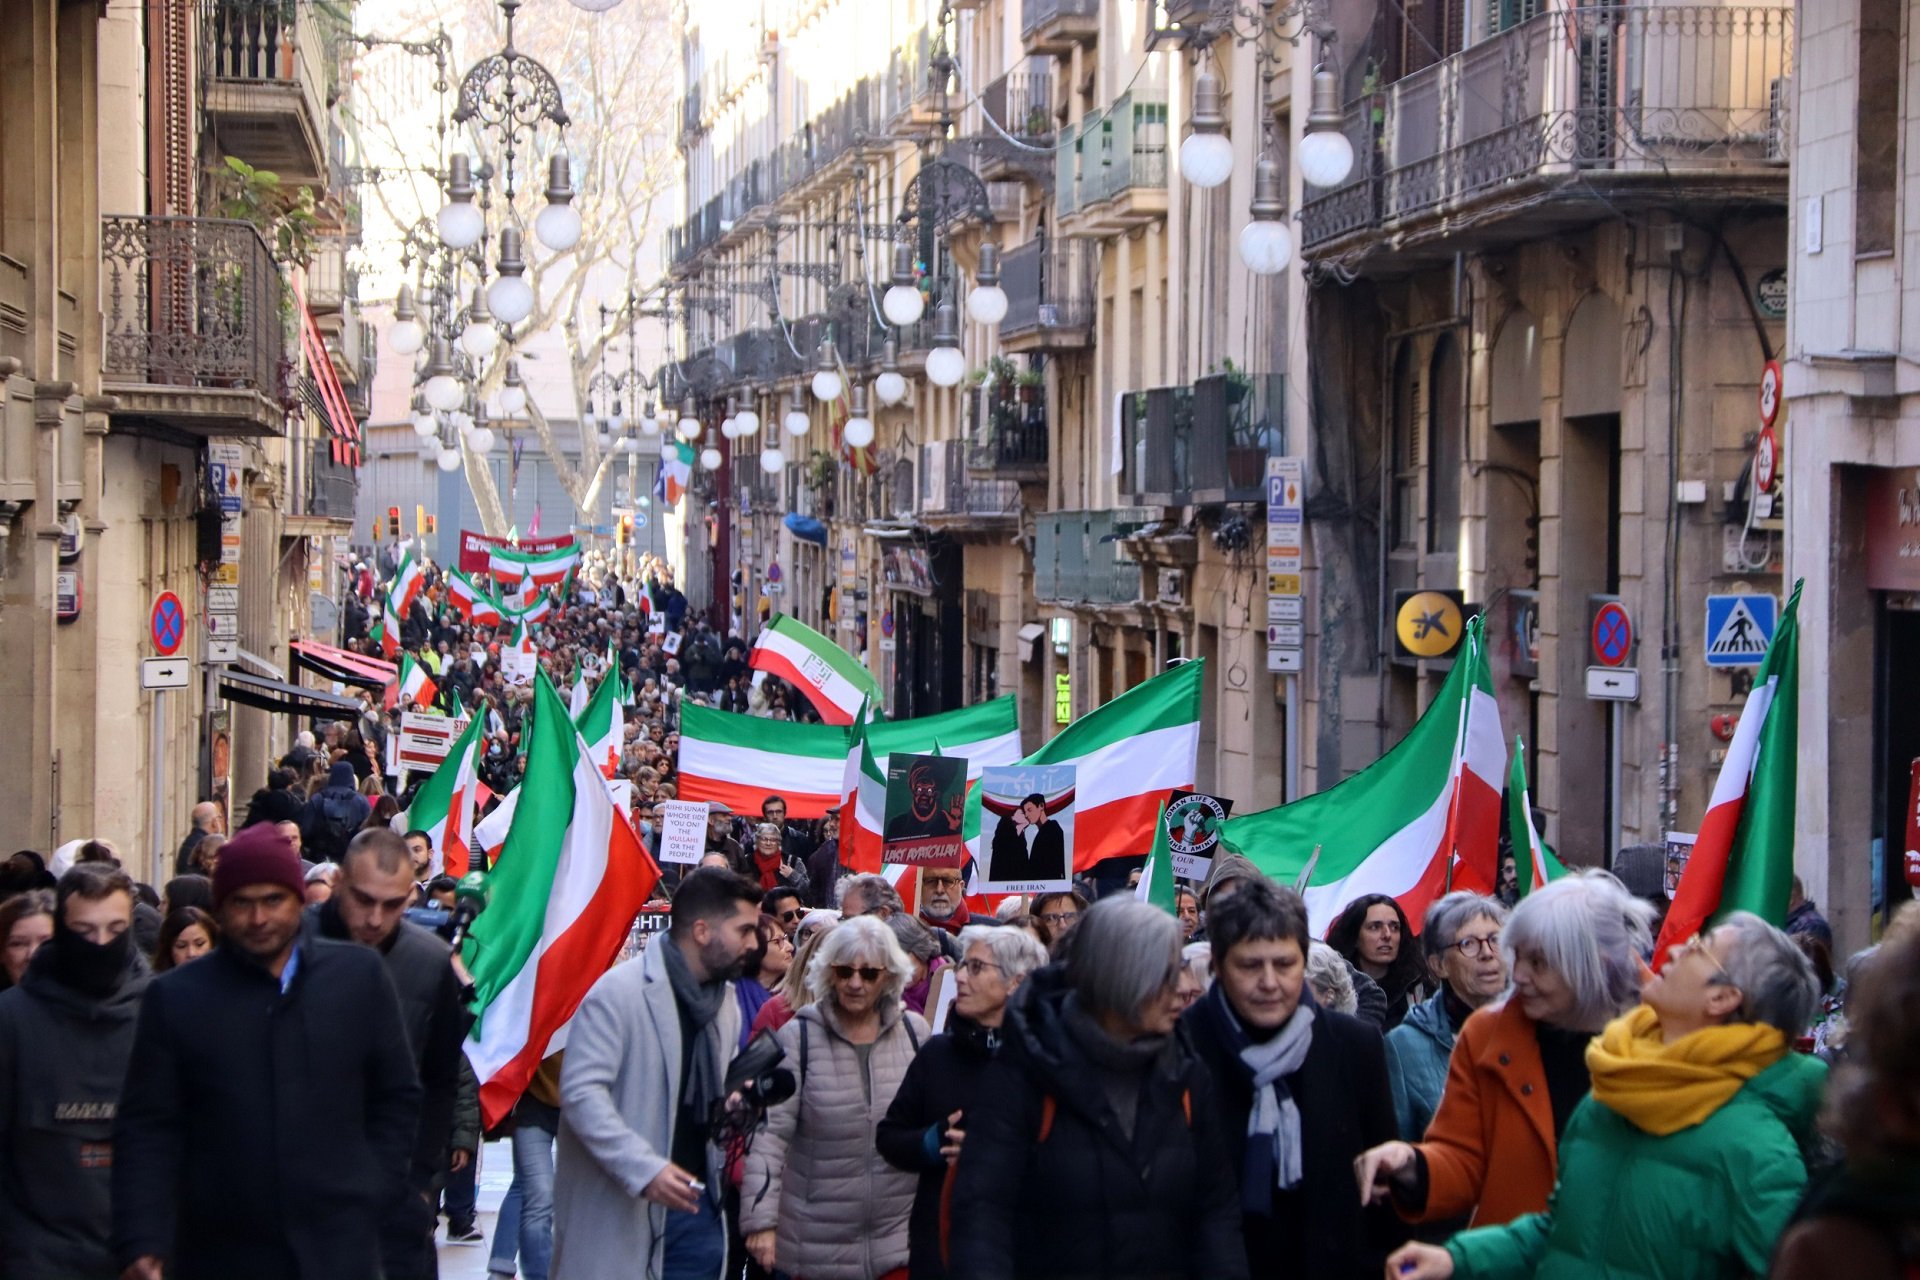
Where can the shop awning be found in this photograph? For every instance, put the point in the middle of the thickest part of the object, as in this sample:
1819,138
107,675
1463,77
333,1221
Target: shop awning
287,699
343,665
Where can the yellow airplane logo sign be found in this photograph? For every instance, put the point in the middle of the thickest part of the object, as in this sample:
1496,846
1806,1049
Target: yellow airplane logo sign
1429,624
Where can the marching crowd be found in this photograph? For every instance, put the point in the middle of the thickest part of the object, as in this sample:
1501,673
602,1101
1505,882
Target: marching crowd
257,1071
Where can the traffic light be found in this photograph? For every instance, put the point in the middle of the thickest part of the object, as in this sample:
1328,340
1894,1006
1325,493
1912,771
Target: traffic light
623,531
431,523
393,523
420,519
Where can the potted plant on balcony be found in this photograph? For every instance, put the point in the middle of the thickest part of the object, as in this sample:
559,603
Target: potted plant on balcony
1028,383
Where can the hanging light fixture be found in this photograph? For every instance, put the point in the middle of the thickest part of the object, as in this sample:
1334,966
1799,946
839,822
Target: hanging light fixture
890,388
987,304
513,392
710,459
902,304
827,384
481,441
449,459
1266,245
461,224
772,460
858,433
689,428
406,335
747,422
730,425
796,423
443,390
510,296
1206,157
595,6
480,337
650,420
424,426
617,420
945,365
1326,153
558,225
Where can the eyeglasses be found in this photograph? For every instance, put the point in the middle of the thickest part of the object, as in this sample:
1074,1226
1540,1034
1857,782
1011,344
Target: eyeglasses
941,882
1474,948
1057,918
1697,945
975,968
845,973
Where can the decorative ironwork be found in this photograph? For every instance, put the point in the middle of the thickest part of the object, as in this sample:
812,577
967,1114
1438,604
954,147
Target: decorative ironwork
1049,284
192,302
510,92
943,193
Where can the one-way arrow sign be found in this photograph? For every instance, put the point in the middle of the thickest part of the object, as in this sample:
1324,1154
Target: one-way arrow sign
165,673
1613,684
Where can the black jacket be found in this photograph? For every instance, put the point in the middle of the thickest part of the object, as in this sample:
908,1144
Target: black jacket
944,1078
1318,1231
63,1059
1086,1201
264,1133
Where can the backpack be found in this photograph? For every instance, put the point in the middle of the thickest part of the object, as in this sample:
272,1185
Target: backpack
333,827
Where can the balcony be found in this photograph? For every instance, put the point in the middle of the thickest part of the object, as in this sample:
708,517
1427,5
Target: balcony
1600,107
953,501
1050,292
330,282
1011,133
195,338
1056,26
1204,444
265,63
1077,560
322,487
1113,177
1007,433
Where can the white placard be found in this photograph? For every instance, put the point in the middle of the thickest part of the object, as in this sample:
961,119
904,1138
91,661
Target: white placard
683,830
517,666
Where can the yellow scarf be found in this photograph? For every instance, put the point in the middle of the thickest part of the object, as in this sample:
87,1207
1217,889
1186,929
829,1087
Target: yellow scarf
1663,1088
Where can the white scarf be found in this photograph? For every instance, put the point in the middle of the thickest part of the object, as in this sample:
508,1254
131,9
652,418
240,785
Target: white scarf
1275,1117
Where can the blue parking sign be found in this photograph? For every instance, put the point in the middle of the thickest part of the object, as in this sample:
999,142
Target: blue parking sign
1739,629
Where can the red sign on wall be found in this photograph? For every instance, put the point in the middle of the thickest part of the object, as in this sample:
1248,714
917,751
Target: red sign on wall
1893,529
474,548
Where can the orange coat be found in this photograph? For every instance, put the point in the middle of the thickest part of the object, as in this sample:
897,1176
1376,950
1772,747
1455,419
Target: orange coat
1490,1147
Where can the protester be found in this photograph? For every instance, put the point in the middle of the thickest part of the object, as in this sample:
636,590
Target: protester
1196,974
824,867
1461,938
187,934
186,891
66,1031
524,1225
768,962
770,866
26,925
785,906
816,1200
1859,1220
1299,1091
943,904
793,994
795,844
320,882
1685,1163
1331,980
1373,935
1102,1154
374,888
922,946
208,819
219,1166
1804,918
333,814
870,895
719,824
646,1055
1186,909
925,1126
1055,914
1519,1066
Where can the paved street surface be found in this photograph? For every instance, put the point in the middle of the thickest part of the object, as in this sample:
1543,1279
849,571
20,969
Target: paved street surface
469,1261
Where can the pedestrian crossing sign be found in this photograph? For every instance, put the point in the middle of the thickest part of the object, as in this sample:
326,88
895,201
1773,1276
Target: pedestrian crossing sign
1739,629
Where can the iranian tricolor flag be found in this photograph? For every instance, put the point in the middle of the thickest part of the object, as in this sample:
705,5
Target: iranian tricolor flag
676,472
408,579
471,602
1743,857
443,806
603,731
545,568
570,881
1421,820
415,682
603,724
828,675
741,760
1534,862
1129,754
984,735
387,629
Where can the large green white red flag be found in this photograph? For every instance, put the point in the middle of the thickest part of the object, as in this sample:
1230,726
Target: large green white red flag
1128,754
544,568
1421,820
603,723
828,675
443,806
1743,856
414,682
571,880
985,735
602,728
407,582
740,760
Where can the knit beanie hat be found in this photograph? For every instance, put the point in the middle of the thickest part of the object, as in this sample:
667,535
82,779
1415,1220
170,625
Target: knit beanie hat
257,855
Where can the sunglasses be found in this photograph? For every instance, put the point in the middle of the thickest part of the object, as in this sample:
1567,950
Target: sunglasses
845,973
791,914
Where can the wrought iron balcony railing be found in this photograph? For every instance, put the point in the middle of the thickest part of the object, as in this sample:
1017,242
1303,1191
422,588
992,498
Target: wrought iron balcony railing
1662,89
1039,16
324,487
947,490
1020,102
1007,432
1049,285
191,302
266,63
1204,443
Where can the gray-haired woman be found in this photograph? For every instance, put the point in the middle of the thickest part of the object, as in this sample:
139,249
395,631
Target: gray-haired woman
816,1199
926,1125
1519,1067
767,864
1461,938
1101,1154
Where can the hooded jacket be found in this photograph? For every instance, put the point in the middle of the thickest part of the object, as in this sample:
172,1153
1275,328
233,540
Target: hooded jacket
1049,1184
1417,1054
1706,1202
945,1077
63,1061
333,814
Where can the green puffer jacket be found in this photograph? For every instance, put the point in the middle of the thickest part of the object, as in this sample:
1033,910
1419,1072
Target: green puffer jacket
1701,1204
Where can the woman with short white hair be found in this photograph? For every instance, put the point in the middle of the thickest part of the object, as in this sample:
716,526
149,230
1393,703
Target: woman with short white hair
1461,938
1331,979
817,1200
927,1122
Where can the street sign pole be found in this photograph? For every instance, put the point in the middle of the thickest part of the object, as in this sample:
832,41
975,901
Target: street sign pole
156,793
1614,806
1293,738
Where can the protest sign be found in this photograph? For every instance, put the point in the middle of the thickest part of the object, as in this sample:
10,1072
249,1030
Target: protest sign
683,830
1026,820
926,799
1193,831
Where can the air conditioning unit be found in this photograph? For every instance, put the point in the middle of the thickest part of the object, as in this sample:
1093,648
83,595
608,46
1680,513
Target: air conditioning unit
1171,586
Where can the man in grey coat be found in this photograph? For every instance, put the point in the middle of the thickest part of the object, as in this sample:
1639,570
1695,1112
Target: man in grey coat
646,1058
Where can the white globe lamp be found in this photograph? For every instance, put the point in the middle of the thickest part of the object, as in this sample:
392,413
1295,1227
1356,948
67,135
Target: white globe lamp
772,460
558,225
902,304
510,296
987,303
480,337
1326,153
460,224
1266,245
945,365
449,460
406,335
710,459
1206,157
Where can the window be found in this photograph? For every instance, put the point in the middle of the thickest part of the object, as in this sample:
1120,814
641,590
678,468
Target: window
1445,444
1403,515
